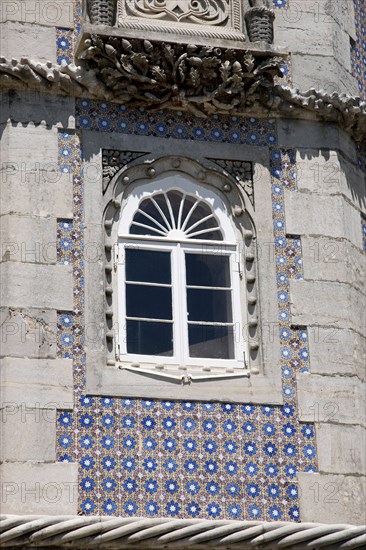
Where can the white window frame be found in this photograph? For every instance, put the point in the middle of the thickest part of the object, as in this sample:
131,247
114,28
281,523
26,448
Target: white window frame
139,192
180,356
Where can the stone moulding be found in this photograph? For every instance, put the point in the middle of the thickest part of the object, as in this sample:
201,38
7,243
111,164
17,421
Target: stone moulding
113,161
252,93
241,171
112,532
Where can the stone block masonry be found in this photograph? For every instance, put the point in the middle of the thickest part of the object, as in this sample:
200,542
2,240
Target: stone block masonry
79,453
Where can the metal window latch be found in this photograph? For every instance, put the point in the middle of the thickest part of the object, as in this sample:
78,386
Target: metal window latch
118,351
186,379
116,256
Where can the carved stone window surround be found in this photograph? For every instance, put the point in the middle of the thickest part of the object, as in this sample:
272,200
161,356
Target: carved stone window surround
103,374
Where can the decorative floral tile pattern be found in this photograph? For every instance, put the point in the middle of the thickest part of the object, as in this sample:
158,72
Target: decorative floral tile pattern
363,225
181,459
108,117
281,4
66,38
64,242
65,46
358,48
286,70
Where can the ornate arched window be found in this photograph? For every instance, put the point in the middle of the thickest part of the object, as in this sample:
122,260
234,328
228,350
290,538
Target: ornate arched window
179,302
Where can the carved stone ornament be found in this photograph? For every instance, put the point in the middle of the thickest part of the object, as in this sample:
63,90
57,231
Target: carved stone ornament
113,161
260,24
207,18
102,12
264,100
202,12
242,171
199,78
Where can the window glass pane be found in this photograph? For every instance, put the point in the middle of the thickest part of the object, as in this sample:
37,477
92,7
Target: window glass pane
188,203
211,342
202,210
160,199
175,198
142,225
209,305
147,266
163,212
208,270
215,235
147,338
151,210
152,302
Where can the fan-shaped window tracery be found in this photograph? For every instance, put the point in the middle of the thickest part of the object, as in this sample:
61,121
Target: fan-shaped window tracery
177,215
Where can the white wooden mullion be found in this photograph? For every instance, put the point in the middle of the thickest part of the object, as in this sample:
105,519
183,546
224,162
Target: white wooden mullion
177,304
191,227
149,227
121,303
184,306
171,213
180,213
236,306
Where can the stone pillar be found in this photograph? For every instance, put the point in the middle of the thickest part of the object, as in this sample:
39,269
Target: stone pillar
330,301
318,35
34,382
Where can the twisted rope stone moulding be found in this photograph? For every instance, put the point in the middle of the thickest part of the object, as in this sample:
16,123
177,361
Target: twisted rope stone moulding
164,533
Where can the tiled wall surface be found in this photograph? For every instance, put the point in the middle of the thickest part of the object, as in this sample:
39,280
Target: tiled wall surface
107,117
180,459
363,224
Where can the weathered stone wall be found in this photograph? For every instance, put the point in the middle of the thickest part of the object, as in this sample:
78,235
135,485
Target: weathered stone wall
330,301
319,36
318,186
34,381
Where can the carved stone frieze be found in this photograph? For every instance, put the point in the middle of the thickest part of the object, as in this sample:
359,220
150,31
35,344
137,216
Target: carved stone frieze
242,171
270,100
206,18
199,78
202,12
113,161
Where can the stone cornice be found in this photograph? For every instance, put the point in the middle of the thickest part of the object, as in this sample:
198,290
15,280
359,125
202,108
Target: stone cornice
238,84
201,79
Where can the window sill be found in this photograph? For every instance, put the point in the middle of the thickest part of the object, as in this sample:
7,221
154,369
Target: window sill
245,387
